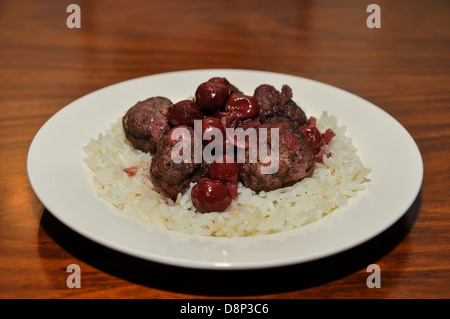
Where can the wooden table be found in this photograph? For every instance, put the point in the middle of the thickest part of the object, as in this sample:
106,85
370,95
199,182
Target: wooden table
403,67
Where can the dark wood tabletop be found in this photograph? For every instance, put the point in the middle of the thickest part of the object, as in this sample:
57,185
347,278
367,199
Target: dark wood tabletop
399,60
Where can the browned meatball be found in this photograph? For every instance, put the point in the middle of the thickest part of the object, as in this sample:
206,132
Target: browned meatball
146,122
296,160
169,177
276,106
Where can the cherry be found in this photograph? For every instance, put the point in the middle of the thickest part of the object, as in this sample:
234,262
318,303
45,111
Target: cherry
221,80
226,171
313,137
232,188
312,121
210,195
228,119
208,124
244,106
328,135
211,96
231,87
184,113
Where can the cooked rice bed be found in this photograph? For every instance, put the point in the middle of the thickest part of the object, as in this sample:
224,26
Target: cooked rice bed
339,178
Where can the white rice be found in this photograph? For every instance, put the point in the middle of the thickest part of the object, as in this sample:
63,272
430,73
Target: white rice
339,178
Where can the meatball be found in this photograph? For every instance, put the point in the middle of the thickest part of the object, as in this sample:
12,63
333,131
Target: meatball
276,106
295,160
146,122
170,177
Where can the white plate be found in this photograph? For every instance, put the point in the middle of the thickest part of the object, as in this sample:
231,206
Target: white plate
62,182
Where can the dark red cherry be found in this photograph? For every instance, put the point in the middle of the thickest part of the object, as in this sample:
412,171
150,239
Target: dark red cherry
232,188
225,81
208,124
184,113
244,106
211,96
227,170
313,137
218,79
210,195
328,135
228,119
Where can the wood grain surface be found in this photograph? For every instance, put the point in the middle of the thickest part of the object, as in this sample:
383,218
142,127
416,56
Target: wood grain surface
402,67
